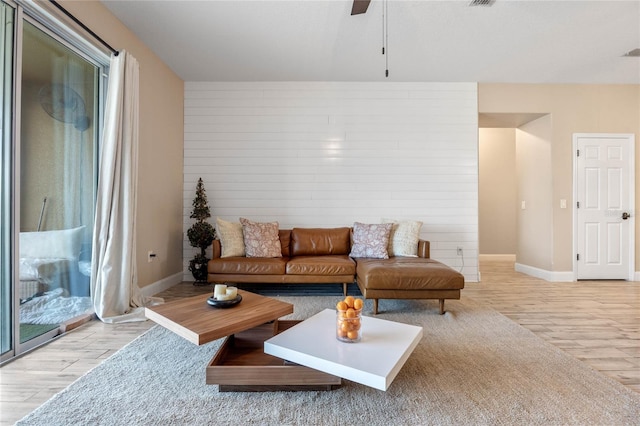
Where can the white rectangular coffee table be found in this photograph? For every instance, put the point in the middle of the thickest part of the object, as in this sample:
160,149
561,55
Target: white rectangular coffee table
373,361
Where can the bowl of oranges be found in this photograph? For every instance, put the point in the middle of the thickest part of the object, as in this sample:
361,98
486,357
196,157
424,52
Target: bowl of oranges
349,319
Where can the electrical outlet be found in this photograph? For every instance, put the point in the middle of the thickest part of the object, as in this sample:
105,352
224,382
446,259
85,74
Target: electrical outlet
459,251
151,256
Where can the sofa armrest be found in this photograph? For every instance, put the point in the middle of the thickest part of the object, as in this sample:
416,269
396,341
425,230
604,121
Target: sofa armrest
216,249
424,249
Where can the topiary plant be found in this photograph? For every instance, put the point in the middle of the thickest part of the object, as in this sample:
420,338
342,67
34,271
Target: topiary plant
201,235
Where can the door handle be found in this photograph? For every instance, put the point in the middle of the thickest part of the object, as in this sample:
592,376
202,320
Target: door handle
625,216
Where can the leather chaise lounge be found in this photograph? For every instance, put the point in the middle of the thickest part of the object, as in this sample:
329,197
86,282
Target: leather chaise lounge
408,278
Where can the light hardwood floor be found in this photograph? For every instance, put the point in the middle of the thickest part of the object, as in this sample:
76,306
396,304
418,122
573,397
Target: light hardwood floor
597,322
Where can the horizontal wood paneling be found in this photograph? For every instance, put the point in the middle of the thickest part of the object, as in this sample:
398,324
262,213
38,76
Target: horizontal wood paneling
328,154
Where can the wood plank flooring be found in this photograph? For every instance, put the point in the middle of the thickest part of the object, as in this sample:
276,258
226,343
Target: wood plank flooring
597,322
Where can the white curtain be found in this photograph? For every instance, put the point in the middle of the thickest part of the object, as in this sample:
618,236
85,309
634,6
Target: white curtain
114,286
77,197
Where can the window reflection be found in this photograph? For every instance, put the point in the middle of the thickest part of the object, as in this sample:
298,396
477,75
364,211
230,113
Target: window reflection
57,182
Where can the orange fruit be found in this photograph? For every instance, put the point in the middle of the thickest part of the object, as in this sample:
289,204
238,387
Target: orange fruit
352,335
349,301
342,333
351,313
341,306
358,303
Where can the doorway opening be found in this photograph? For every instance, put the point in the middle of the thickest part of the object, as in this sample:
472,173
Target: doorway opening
515,191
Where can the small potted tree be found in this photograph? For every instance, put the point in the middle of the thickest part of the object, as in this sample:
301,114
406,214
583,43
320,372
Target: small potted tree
201,235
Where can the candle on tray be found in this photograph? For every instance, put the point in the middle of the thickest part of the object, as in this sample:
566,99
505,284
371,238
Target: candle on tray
219,289
222,292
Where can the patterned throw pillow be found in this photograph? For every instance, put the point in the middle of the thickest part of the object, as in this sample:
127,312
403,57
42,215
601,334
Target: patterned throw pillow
404,237
371,240
261,239
231,239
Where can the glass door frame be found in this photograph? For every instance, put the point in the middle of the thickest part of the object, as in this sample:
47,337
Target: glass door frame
7,73
89,51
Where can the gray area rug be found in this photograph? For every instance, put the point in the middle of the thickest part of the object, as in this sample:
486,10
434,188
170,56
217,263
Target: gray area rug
473,366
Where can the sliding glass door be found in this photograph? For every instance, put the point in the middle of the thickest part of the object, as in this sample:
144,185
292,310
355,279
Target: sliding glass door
51,111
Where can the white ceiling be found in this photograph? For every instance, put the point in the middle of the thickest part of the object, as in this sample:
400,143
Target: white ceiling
516,41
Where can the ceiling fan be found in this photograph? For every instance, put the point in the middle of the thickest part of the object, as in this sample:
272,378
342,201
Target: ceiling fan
359,6
64,104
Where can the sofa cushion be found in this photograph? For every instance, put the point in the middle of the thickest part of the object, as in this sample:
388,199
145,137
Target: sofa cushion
261,239
371,240
407,273
321,265
320,241
404,237
285,242
231,238
248,266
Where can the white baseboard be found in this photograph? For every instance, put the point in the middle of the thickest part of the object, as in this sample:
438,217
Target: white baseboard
555,276
161,285
497,257
551,276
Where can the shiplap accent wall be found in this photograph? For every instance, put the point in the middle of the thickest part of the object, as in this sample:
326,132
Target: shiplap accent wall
315,154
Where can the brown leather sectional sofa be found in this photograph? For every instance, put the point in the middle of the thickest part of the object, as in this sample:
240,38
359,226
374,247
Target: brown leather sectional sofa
321,255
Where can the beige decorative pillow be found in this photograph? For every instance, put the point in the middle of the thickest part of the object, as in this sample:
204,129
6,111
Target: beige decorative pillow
261,239
404,237
231,239
371,240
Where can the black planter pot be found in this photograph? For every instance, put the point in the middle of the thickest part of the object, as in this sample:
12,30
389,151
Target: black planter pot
198,269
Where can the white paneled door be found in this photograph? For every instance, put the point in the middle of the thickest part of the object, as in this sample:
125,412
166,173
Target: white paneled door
604,209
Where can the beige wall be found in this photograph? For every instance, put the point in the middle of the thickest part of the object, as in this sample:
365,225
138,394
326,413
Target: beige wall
573,109
497,191
159,219
535,190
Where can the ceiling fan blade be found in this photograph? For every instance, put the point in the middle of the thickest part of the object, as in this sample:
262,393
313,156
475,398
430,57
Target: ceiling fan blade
359,6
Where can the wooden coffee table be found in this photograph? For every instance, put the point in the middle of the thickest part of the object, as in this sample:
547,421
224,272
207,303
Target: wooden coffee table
240,364
199,323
